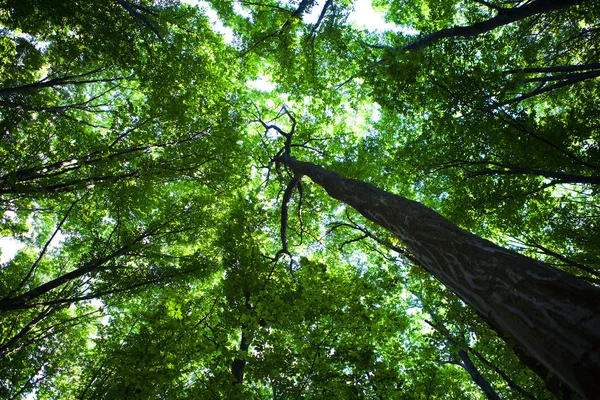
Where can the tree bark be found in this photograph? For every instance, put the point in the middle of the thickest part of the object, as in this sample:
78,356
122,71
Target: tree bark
554,316
505,16
479,380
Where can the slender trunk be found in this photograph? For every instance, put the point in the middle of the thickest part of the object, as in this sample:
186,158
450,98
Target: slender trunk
575,78
65,186
512,384
558,176
238,365
558,68
555,385
5,347
20,301
554,316
139,13
566,260
479,380
64,81
505,16
467,363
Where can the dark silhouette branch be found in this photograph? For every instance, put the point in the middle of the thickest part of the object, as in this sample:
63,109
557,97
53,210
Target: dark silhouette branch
45,248
45,332
137,12
62,81
572,79
21,301
312,364
328,4
560,68
238,365
466,363
505,16
291,186
490,5
506,169
6,346
476,376
547,251
82,106
512,122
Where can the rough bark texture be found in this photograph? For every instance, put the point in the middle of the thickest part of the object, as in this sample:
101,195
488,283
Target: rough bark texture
505,16
554,316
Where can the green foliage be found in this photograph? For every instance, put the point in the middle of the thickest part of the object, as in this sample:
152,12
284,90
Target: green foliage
137,172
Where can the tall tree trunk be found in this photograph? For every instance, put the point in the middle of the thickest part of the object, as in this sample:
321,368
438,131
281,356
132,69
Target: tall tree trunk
554,316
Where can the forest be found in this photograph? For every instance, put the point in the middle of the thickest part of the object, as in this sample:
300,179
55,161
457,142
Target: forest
267,199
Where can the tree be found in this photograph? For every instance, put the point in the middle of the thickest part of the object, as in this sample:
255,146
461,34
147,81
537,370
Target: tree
519,285
171,248
504,16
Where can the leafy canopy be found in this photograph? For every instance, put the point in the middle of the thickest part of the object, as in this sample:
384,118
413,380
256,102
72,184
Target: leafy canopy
137,171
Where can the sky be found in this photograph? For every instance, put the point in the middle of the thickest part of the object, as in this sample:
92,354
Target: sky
363,17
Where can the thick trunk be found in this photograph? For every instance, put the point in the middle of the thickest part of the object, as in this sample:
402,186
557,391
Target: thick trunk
504,17
554,316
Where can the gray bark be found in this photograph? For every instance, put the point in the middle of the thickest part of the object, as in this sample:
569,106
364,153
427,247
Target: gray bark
554,316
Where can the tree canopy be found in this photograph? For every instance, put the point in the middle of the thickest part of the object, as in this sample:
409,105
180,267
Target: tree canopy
170,248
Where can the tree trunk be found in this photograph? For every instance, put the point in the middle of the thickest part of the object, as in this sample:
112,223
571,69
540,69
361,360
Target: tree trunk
479,380
559,177
505,16
20,302
554,316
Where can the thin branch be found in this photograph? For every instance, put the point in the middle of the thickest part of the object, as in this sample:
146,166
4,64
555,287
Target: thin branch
45,248
505,17
287,195
312,365
575,78
561,68
328,4
207,314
